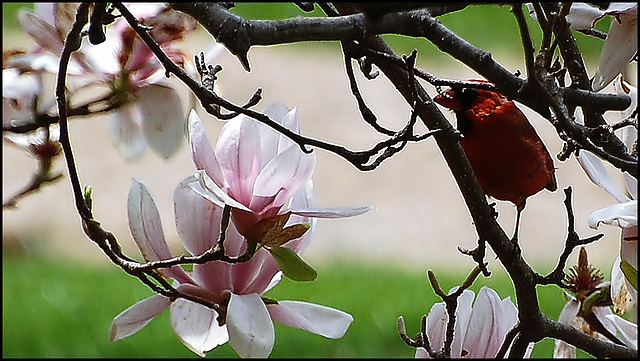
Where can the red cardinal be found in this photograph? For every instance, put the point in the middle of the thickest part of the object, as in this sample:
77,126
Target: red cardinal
505,152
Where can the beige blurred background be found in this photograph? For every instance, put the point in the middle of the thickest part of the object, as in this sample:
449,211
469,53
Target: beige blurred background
419,218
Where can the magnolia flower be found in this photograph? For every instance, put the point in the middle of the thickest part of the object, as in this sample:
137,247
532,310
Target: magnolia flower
237,288
20,95
621,44
255,169
623,213
479,330
148,110
153,113
262,176
587,309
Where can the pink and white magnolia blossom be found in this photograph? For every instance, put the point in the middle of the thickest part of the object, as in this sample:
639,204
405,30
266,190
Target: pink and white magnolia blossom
148,109
261,174
255,169
480,329
237,287
153,114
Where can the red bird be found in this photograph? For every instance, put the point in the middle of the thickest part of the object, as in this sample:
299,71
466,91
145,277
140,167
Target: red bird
508,157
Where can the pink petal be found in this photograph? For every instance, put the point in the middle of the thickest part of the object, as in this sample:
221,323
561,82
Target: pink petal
238,151
163,120
255,275
201,151
321,320
285,174
207,188
137,316
197,220
437,323
146,229
196,326
251,332
42,32
273,142
489,322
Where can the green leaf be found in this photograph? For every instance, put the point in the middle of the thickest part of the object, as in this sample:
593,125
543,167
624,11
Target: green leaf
630,273
291,265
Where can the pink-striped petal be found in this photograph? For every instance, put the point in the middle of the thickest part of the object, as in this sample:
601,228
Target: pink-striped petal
146,228
137,316
201,151
196,326
490,320
238,151
251,332
321,320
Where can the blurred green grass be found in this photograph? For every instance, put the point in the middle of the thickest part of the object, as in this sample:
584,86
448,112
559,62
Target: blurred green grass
63,309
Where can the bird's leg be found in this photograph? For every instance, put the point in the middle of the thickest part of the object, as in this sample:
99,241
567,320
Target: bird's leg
514,240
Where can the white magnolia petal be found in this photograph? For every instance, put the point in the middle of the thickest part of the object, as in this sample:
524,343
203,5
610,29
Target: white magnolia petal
569,311
583,16
163,120
623,87
601,313
618,7
202,184
567,315
137,316
599,175
22,87
251,332
627,331
562,349
629,246
201,151
621,45
331,212
321,320
620,295
126,132
196,326
619,214
632,185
